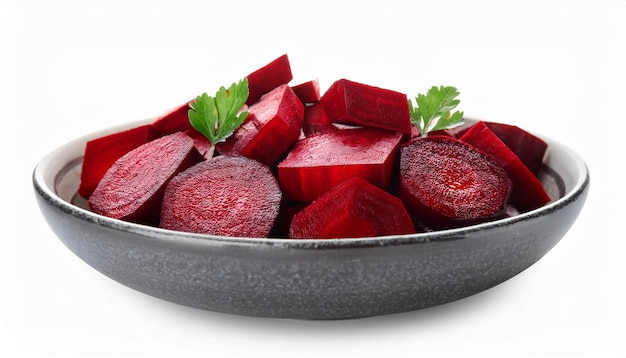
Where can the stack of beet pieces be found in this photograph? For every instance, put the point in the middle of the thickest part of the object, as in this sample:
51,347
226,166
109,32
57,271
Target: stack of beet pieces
303,165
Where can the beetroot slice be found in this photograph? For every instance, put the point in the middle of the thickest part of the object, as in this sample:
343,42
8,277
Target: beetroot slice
132,189
308,92
176,120
353,103
272,126
528,193
268,77
316,164
316,121
354,208
446,183
226,196
528,148
101,153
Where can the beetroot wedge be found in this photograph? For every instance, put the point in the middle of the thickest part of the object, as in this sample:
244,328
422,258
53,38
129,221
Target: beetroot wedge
353,103
528,193
318,163
354,208
132,189
528,148
308,92
268,77
272,126
101,153
446,183
226,196
173,121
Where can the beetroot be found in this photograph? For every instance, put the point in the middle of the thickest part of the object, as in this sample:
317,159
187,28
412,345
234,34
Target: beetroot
132,189
272,126
358,104
226,196
308,92
528,193
316,121
528,148
354,208
174,121
101,153
201,143
268,77
446,183
318,163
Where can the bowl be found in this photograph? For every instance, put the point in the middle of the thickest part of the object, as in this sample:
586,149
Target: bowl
308,279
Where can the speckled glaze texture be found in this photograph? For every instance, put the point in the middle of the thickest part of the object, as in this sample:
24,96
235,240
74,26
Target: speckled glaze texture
313,279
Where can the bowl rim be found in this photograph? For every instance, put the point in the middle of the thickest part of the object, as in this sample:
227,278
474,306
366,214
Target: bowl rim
194,239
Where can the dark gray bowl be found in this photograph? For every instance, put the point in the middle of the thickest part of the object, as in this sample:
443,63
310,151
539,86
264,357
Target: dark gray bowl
316,279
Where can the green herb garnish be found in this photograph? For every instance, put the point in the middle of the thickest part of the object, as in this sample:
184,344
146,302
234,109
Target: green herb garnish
218,117
433,110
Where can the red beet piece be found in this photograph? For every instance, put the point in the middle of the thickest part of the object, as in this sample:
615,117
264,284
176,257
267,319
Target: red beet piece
316,121
273,125
226,196
358,104
447,183
201,143
176,120
268,77
528,193
308,92
316,164
101,153
354,208
132,189
529,148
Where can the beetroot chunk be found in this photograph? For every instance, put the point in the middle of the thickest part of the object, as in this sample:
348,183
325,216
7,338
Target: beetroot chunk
176,120
226,196
358,104
528,148
354,208
318,163
528,193
308,92
446,183
132,189
316,121
268,77
101,153
272,126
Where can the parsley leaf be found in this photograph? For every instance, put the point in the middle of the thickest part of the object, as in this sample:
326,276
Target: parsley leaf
433,110
218,117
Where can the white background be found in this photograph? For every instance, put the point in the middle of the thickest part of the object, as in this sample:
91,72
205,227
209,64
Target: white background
73,67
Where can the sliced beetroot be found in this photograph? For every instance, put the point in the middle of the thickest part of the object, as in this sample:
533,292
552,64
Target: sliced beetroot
101,153
316,121
447,183
132,189
273,124
268,77
318,163
226,196
354,208
528,193
173,121
529,148
308,92
353,103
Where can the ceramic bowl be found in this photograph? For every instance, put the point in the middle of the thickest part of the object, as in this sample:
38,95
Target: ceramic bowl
312,279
